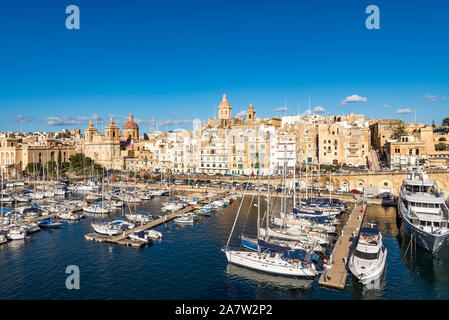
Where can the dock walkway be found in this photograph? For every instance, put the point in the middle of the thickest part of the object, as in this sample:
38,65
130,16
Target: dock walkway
123,238
335,272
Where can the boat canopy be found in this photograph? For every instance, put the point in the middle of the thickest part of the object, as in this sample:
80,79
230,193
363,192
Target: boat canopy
300,255
372,231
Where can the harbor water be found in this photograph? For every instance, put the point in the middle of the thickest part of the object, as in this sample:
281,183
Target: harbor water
188,264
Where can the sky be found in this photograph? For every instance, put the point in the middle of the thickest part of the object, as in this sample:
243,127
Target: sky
169,62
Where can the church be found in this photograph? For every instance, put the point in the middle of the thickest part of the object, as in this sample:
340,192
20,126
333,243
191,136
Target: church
225,119
112,149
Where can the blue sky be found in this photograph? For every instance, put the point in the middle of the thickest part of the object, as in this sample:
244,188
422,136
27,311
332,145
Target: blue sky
172,60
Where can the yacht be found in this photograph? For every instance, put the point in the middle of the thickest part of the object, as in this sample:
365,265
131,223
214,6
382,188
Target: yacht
423,211
367,262
284,263
141,236
111,228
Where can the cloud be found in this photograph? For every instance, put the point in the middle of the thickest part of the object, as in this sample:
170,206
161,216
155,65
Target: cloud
242,114
443,98
402,111
319,109
173,122
353,99
386,106
430,97
20,118
71,120
284,109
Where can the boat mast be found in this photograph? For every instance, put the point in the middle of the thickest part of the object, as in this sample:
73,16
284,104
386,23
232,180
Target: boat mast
2,196
258,194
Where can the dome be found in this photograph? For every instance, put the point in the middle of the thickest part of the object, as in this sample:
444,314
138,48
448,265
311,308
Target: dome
224,102
130,124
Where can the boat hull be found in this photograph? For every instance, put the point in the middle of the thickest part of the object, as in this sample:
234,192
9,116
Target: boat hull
430,242
240,258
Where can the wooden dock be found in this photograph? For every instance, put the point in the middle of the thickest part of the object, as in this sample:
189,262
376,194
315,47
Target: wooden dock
335,271
122,239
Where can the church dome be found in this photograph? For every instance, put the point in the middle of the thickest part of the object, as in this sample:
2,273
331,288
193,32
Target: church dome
224,102
130,124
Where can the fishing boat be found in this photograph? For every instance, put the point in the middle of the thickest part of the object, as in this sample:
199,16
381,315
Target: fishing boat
185,219
49,223
423,211
141,236
3,239
154,235
203,212
32,228
367,262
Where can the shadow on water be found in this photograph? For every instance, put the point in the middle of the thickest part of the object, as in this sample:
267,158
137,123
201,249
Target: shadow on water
269,284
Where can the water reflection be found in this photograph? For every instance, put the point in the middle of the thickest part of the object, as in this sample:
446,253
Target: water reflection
264,281
371,291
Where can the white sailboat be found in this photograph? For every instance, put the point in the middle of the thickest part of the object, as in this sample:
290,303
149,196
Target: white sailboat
280,263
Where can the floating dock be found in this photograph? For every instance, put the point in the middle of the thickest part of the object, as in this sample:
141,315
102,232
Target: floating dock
335,271
122,239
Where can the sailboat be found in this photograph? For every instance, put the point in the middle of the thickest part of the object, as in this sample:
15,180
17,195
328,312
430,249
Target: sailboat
285,263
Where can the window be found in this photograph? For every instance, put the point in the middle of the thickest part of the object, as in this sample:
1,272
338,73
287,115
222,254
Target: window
365,255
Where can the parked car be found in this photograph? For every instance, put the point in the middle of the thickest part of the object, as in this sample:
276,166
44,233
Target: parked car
356,191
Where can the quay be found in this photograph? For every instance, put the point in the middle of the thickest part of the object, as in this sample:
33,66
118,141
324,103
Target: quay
122,238
335,271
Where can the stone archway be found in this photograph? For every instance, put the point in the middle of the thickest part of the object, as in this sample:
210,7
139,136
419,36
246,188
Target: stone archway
345,185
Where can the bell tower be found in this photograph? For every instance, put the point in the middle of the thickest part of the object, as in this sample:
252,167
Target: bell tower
224,109
250,114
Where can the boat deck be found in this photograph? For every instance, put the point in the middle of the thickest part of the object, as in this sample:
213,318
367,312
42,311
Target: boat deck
335,274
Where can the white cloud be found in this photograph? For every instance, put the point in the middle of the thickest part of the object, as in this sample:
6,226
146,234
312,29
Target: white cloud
443,98
71,120
402,111
430,97
20,118
242,114
319,109
173,122
386,106
284,109
353,99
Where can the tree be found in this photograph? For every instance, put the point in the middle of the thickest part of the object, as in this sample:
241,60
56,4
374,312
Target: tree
445,122
441,147
400,130
433,124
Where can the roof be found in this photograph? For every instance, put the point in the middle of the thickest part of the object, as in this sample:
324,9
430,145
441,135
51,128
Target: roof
130,124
